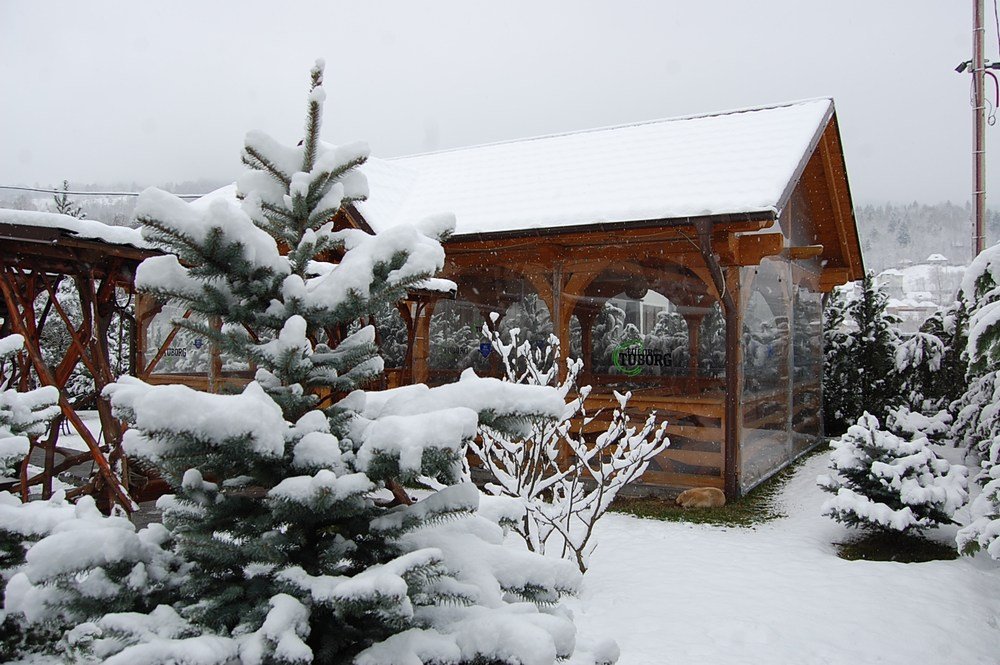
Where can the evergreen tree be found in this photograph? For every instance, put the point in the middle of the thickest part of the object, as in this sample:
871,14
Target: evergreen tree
860,342
670,337
606,334
454,345
875,349
840,372
946,385
392,335
530,316
882,482
299,543
62,204
712,344
977,419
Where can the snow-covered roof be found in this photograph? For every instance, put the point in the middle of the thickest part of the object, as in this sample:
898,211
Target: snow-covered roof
88,229
937,258
734,162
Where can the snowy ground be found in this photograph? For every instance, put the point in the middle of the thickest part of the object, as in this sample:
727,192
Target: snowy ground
776,594
682,593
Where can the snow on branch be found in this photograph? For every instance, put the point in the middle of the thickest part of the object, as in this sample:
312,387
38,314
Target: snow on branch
565,482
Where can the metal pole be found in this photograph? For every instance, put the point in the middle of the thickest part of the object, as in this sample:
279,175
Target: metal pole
978,129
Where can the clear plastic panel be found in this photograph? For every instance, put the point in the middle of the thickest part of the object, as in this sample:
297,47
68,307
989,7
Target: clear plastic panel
767,350
807,363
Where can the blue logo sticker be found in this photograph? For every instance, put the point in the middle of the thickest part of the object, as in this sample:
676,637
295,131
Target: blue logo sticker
485,348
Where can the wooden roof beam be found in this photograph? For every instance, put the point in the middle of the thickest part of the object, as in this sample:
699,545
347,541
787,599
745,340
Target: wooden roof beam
831,277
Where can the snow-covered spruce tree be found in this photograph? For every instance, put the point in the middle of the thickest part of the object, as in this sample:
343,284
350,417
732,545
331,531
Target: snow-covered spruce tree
947,384
883,482
977,421
605,335
563,483
874,350
670,337
712,344
840,372
298,540
860,341
453,344
27,624
918,360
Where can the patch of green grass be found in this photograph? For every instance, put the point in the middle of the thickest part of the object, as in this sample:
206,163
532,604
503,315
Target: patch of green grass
894,546
756,507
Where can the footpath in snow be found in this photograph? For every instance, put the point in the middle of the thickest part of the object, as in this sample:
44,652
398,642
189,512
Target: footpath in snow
778,594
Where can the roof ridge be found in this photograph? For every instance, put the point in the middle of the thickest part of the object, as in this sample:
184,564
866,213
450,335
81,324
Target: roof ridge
592,130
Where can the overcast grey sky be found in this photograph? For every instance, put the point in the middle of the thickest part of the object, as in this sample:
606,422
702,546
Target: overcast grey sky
155,92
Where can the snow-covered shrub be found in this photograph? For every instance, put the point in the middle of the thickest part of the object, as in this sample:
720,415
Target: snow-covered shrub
913,424
293,536
860,342
881,481
563,482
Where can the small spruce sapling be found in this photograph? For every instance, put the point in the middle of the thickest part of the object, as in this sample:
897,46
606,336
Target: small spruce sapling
883,482
62,204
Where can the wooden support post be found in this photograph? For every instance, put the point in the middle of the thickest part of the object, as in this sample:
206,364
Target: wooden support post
734,386
694,342
422,341
214,358
727,285
560,314
586,316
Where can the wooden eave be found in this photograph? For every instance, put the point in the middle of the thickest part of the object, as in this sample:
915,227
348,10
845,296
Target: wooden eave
825,188
57,251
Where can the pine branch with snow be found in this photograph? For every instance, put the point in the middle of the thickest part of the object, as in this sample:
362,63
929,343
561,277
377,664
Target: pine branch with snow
883,482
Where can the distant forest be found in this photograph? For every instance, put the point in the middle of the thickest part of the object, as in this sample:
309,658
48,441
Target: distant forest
894,234
891,234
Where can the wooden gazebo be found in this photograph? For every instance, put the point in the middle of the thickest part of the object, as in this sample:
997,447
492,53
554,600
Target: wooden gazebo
71,277
726,228
741,220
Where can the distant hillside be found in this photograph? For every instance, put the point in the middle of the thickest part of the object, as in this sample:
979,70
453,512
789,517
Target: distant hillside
892,235
115,210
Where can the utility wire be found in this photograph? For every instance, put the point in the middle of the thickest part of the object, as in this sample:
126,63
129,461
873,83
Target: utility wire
63,191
